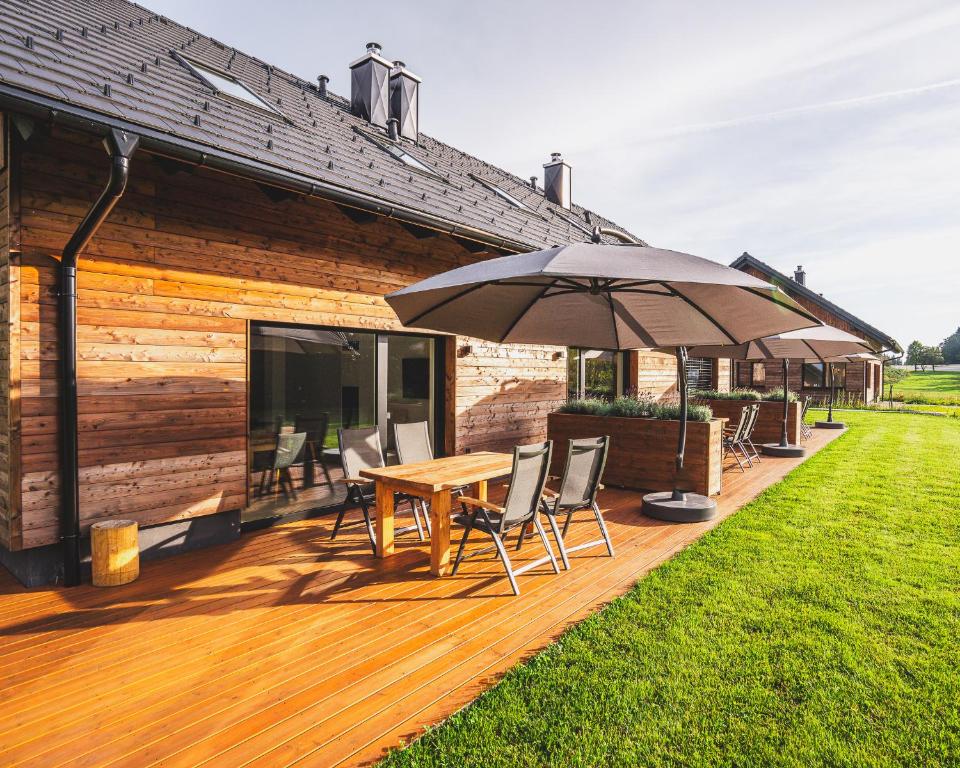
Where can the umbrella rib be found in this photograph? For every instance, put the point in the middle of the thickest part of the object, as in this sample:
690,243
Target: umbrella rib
520,315
702,312
414,320
816,354
772,297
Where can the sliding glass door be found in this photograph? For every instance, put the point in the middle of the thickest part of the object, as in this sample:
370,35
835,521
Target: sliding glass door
308,382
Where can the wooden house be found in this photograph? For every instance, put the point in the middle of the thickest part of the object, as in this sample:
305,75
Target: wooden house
860,381
235,290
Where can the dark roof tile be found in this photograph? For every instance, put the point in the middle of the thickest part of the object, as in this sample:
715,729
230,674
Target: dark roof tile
315,137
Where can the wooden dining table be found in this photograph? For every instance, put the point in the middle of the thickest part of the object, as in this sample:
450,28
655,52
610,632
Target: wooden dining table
433,481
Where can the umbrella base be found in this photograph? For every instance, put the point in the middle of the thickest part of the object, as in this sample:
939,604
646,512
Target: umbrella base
830,425
783,451
692,508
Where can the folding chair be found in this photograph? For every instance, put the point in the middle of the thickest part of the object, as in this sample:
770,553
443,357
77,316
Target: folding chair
360,449
289,447
746,440
733,440
522,505
586,458
805,432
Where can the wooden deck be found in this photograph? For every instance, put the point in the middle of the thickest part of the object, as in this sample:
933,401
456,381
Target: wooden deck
287,648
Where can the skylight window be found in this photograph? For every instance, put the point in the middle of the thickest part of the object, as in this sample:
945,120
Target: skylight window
407,159
229,86
502,194
398,152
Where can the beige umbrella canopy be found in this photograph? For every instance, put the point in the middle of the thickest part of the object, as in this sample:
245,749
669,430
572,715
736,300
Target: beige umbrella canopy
616,297
823,343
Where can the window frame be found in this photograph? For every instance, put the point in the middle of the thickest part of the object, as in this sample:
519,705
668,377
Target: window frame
578,392
821,367
396,150
502,193
256,101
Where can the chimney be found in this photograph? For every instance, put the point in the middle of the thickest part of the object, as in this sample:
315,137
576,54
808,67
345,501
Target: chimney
556,181
800,276
368,86
405,100
322,81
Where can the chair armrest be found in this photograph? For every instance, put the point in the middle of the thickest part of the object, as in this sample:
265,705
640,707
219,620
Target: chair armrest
356,480
550,493
472,502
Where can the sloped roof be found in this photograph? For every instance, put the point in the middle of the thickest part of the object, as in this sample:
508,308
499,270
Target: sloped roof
791,286
120,61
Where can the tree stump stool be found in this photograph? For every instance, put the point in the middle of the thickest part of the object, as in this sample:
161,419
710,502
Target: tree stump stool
115,552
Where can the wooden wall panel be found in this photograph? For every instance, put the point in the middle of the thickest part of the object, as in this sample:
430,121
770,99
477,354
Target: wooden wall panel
656,375
8,535
166,290
504,393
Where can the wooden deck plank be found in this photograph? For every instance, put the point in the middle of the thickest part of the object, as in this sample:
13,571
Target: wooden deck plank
287,648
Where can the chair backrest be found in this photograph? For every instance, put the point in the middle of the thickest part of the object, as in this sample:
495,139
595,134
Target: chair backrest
289,448
586,458
529,476
751,422
742,425
412,441
315,427
360,449
803,407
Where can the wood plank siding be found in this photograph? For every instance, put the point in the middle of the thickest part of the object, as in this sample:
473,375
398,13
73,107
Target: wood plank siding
9,528
166,291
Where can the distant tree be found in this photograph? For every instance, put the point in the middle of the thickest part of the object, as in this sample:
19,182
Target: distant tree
951,347
915,355
933,356
894,376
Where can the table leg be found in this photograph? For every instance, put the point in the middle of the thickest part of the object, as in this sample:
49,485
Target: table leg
479,490
440,533
384,520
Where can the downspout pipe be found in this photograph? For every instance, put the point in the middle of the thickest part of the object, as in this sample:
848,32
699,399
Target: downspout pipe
120,145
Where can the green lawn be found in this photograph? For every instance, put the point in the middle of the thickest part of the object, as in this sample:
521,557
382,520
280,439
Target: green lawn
930,387
818,626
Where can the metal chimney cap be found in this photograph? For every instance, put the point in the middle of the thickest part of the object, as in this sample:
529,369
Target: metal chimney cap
400,70
373,52
555,158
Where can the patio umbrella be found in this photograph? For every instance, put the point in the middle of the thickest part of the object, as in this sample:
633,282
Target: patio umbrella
859,357
819,344
600,296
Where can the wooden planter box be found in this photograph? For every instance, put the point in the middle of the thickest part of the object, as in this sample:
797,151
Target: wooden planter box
643,451
768,425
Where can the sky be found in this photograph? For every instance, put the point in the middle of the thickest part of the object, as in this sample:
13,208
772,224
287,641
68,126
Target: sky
817,133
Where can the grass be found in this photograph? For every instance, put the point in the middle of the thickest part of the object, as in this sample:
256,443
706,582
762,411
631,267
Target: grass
929,388
819,626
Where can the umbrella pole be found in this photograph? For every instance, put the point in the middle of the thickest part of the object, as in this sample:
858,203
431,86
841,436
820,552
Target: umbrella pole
830,423
682,434
784,449
678,506
830,384
784,440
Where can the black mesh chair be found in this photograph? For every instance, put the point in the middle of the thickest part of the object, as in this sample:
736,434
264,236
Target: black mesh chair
287,453
315,428
360,449
412,441
521,508
579,486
